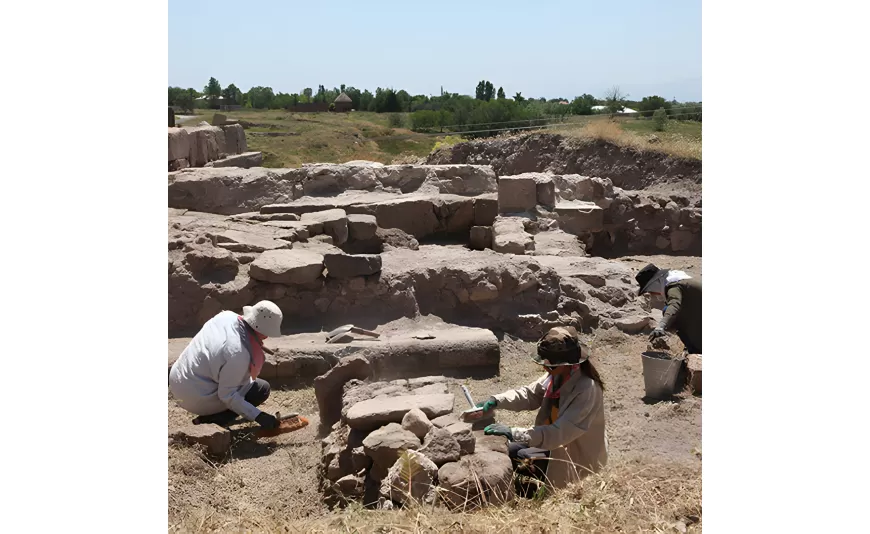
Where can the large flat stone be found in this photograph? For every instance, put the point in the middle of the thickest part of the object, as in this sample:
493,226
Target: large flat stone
244,161
287,266
374,413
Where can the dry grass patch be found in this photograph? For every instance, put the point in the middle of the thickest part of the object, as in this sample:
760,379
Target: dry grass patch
632,496
673,144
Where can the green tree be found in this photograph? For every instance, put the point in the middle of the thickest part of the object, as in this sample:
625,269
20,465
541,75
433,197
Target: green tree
488,91
651,103
366,98
213,91
232,95
480,90
500,93
614,99
307,92
660,119
518,97
261,97
582,105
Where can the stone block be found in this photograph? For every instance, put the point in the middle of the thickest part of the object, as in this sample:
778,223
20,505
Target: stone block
480,237
216,439
287,266
579,217
485,211
361,227
516,194
334,223
373,413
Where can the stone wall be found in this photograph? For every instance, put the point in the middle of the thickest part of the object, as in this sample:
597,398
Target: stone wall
196,146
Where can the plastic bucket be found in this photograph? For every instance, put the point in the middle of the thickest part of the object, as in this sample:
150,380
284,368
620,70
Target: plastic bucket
661,372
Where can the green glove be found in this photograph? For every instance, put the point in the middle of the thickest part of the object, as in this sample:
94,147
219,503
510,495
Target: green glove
488,405
497,429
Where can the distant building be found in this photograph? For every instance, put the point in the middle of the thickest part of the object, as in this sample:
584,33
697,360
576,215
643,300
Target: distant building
343,102
603,109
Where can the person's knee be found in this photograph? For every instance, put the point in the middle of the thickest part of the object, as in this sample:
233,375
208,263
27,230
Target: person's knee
259,392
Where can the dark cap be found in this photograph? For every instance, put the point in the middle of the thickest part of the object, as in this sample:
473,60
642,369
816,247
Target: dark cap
644,276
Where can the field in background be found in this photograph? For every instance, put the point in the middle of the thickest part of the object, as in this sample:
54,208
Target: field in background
325,137
341,137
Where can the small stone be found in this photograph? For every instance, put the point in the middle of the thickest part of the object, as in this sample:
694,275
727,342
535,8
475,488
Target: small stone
416,422
422,471
462,433
445,420
385,444
440,446
215,438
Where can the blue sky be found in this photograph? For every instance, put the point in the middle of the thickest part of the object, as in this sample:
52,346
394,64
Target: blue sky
550,49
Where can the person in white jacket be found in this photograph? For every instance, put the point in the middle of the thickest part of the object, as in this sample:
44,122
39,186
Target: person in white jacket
216,375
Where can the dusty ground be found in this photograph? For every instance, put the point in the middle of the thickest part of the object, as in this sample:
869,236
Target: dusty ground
653,479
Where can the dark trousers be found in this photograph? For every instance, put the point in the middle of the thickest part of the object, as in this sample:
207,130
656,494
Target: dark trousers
529,460
257,395
692,344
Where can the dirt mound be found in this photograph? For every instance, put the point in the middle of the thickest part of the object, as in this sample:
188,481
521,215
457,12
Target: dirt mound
626,167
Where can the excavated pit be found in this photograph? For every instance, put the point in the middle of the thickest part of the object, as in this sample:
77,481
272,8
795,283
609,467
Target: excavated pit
441,260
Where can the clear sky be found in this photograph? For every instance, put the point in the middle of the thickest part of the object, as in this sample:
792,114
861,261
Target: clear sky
546,48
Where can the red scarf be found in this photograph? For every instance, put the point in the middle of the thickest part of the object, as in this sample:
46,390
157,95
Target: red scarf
257,356
549,393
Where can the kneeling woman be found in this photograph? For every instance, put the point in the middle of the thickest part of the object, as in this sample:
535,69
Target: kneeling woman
216,375
568,440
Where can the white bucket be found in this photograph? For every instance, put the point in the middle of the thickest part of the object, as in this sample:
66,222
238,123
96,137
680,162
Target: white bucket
660,374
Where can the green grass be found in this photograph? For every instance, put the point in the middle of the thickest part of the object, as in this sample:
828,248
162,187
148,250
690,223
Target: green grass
360,135
325,137
688,129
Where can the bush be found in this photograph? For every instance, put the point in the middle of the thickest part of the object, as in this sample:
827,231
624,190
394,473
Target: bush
332,106
448,141
660,119
395,120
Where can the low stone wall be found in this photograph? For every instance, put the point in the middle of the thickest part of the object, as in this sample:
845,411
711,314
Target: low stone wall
196,146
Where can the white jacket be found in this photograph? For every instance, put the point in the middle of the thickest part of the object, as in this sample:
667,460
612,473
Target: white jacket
213,373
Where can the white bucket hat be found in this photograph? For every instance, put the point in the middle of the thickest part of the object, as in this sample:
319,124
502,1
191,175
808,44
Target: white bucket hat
264,317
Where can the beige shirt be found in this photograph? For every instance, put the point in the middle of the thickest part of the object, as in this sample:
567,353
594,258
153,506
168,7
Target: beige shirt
577,440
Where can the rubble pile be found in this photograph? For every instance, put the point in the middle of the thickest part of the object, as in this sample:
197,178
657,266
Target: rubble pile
398,441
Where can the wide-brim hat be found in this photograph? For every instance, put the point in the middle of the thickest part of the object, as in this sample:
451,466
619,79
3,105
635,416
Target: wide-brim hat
645,276
560,346
265,317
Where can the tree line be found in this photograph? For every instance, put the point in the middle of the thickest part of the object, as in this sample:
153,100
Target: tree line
489,108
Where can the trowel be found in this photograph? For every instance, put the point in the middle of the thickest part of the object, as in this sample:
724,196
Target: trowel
474,413
342,331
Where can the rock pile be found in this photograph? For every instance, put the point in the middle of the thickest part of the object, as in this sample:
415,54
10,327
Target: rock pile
391,445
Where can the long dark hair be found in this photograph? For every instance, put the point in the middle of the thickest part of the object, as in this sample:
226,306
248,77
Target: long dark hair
590,371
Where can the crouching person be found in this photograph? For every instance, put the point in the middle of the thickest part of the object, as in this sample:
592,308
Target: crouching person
568,441
216,375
